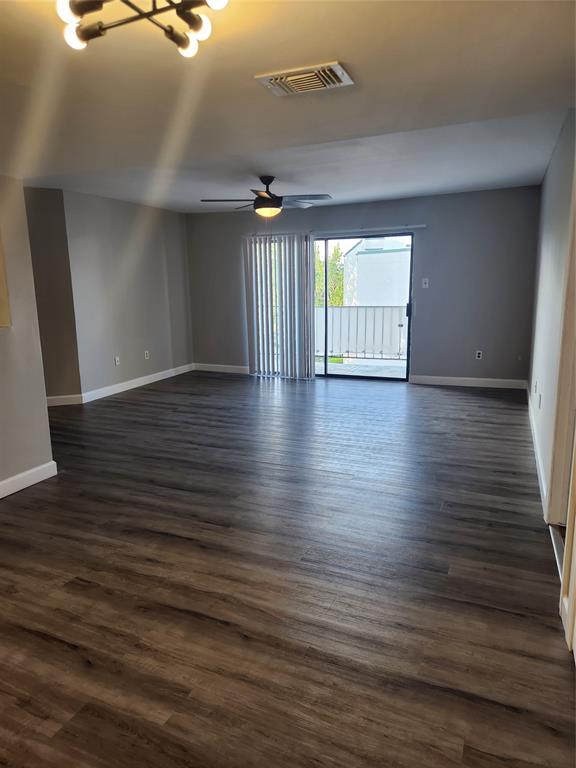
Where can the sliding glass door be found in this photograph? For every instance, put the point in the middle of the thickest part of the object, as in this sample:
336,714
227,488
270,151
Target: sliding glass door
362,306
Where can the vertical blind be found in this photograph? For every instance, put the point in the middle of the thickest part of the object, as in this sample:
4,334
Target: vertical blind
279,278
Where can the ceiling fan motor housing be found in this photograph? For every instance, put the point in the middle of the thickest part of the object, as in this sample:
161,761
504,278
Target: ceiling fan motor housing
268,202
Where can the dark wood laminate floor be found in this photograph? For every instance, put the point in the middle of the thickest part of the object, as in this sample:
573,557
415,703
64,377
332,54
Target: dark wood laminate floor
237,574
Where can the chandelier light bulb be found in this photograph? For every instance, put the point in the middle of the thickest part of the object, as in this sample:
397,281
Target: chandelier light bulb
78,34
217,5
205,30
72,38
65,12
191,49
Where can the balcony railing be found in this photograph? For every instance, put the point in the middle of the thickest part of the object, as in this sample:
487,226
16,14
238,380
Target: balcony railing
376,333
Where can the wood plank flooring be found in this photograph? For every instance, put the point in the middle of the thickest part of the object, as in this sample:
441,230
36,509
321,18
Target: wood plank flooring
231,573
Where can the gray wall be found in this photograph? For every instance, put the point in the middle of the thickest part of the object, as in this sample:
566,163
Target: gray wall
552,271
130,286
49,246
24,433
478,251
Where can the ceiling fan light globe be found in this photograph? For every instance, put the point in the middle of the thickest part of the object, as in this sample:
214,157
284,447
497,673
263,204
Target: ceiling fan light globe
72,38
217,5
268,213
191,49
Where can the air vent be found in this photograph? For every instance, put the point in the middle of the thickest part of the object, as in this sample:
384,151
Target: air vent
322,77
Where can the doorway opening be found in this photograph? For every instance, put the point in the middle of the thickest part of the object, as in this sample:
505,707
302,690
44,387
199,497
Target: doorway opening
362,296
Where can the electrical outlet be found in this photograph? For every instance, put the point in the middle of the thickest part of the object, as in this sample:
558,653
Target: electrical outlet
146,355
425,282
539,401
116,359
479,354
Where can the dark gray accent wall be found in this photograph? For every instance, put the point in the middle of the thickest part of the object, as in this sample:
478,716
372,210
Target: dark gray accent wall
53,284
477,249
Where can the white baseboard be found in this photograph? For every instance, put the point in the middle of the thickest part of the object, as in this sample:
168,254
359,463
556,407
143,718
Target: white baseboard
183,369
56,400
122,386
567,620
539,465
558,546
29,477
222,368
456,381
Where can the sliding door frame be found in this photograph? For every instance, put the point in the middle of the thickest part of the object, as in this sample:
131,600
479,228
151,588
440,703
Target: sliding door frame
409,307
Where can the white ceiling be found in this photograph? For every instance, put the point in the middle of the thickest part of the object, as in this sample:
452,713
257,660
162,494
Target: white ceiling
449,96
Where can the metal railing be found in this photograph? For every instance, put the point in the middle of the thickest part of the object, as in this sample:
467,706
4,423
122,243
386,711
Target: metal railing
378,333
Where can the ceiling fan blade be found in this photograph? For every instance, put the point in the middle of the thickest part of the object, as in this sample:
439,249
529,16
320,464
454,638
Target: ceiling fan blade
307,197
262,193
296,204
241,207
227,200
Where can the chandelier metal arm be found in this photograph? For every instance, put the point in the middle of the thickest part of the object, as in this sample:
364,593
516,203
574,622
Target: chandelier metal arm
148,15
198,26
155,11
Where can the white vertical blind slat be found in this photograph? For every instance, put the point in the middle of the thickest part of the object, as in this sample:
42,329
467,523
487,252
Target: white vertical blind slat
250,304
297,315
279,282
270,304
303,310
292,313
260,280
264,305
267,308
281,305
252,307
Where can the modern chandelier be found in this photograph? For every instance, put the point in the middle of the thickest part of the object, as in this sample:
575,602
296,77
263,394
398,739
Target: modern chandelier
199,27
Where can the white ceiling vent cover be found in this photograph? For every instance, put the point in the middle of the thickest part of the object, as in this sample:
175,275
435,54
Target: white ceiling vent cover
322,77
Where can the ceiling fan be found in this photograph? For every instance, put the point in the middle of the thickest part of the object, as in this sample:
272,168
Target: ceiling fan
268,204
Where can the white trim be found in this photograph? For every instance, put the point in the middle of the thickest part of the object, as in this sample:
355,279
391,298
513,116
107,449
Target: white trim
568,585
222,368
122,386
456,381
29,477
56,400
565,615
183,369
539,465
335,234
558,547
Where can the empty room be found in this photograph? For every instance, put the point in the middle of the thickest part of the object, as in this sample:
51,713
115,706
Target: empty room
287,384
